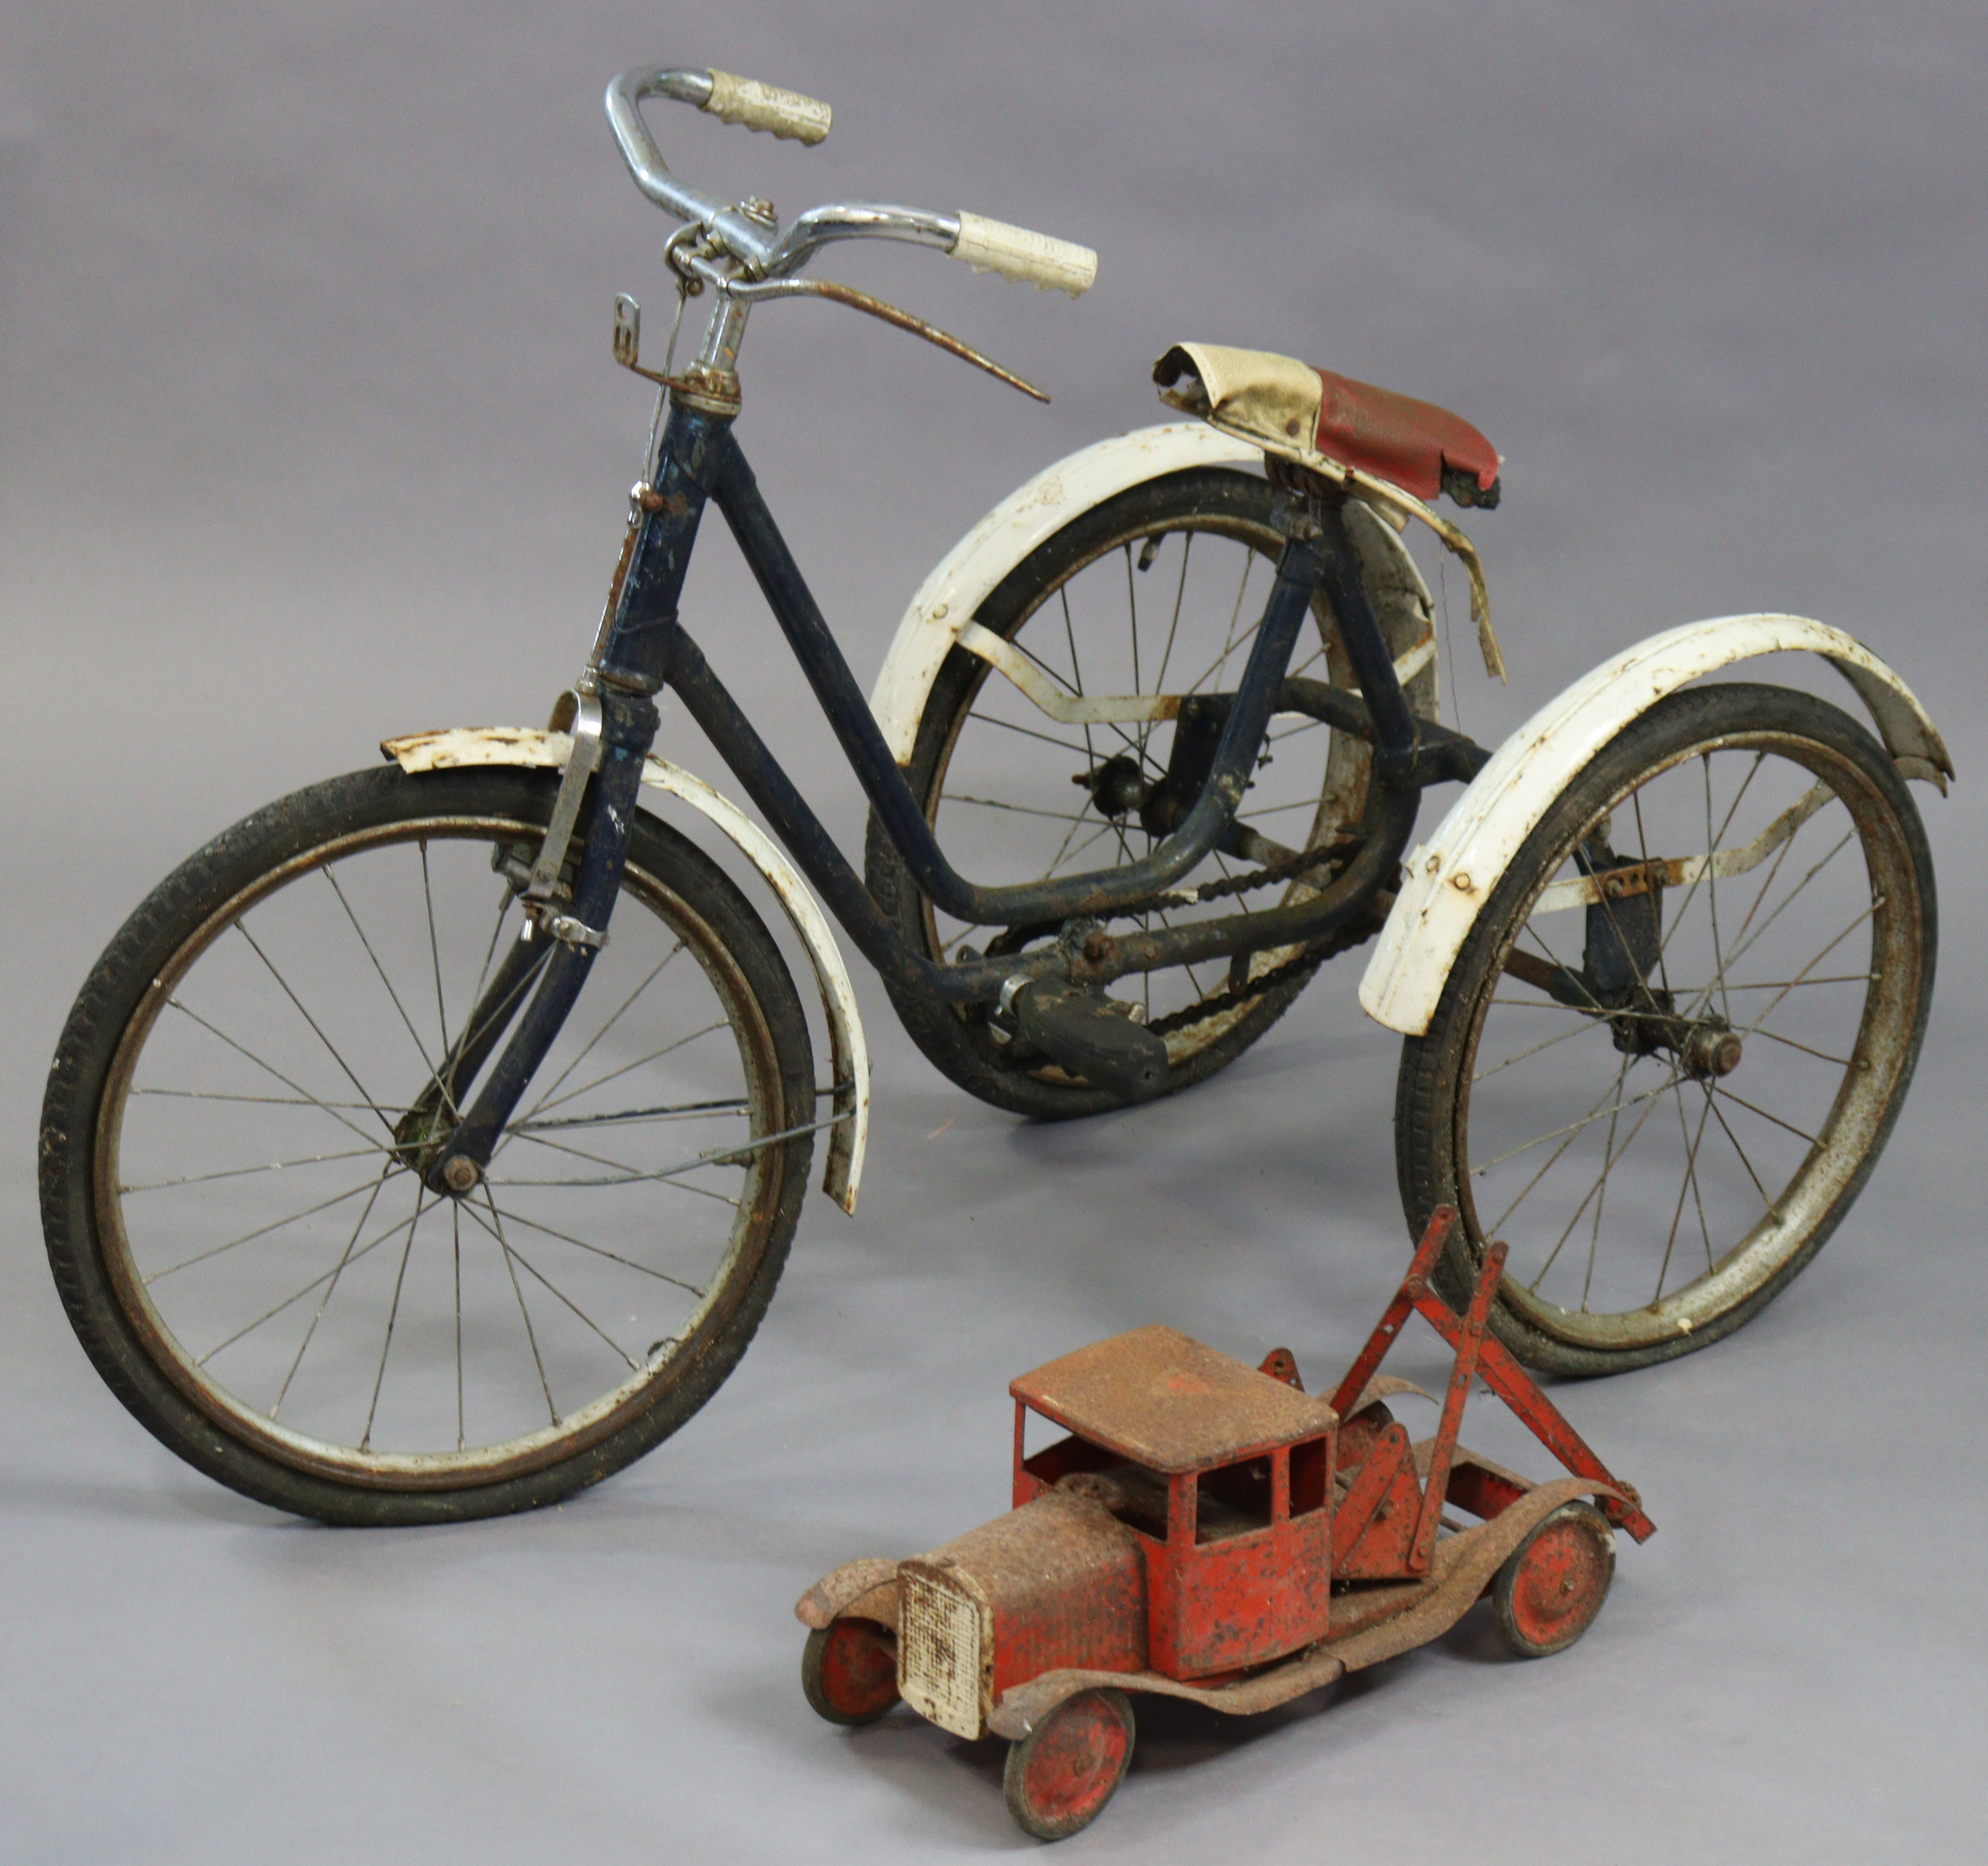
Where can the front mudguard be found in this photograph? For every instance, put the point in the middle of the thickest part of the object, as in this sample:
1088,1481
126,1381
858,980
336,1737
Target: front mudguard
849,1052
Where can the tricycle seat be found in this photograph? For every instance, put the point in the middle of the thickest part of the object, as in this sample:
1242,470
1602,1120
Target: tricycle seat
1305,414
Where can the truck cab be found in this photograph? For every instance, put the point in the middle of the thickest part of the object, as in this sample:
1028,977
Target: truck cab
1222,1472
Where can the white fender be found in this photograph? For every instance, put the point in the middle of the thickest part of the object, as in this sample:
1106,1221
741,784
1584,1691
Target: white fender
849,1053
970,573
1448,879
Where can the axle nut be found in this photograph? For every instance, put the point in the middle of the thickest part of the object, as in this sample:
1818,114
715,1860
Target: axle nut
461,1174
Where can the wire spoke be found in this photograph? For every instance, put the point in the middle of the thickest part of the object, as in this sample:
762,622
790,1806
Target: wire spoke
420,1047
365,1094
1608,1163
242,1049
263,1230
1719,1117
654,1056
634,1366
1688,1184
559,1081
1799,1133
1028,732
269,1101
269,1315
1775,1003
392,1314
1019,809
434,949
736,1155
1173,626
1585,1024
538,1360
379,1185
244,1172
599,1250
455,1241
1821,1055
669,1111
1573,1127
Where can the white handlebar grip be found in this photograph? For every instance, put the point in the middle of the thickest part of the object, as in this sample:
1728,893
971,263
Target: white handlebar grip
1016,252
767,107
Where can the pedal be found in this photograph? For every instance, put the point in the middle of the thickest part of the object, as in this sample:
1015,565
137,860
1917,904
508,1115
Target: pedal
1080,1032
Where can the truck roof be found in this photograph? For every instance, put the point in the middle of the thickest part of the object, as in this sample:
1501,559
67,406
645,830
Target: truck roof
1161,1399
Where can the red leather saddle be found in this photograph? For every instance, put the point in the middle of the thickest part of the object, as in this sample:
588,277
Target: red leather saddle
1419,447
1297,409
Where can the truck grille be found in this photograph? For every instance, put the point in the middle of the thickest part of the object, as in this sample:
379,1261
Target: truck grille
939,1650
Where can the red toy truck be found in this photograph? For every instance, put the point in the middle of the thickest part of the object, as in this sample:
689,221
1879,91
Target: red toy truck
1207,1531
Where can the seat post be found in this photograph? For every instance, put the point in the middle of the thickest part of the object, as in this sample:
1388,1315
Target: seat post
1359,631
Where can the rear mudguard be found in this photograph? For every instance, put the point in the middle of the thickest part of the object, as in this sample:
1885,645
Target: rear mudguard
1447,879
970,573
849,1053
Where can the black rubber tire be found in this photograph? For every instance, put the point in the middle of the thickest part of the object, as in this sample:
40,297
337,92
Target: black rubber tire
143,950
960,1042
1427,1104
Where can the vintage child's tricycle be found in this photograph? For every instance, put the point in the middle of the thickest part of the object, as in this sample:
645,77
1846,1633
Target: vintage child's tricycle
429,1144
1207,1531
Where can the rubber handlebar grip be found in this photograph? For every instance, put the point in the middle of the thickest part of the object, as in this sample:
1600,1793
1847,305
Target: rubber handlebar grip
767,107
1016,252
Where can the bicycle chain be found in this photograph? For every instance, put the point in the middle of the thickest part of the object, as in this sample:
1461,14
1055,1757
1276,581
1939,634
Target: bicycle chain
1338,854
1307,962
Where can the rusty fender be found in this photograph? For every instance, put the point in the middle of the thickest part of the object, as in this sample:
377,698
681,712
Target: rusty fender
1447,880
1463,1567
849,1052
868,1583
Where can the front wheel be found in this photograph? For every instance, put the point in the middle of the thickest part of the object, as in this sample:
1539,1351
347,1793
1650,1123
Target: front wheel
1059,1776
849,1670
237,1123
1677,1037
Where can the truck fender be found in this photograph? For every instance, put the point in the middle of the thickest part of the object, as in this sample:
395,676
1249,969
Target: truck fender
970,571
849,1052
1447,880
1481,1553
870,1582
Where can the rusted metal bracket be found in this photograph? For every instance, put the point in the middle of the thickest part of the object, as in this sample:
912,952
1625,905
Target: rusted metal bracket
578,713
1462,1375
1495,1363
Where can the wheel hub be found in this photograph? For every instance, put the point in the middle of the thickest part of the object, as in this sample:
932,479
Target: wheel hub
1118,787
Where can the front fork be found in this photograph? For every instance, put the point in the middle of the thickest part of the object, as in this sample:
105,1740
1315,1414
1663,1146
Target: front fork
593,814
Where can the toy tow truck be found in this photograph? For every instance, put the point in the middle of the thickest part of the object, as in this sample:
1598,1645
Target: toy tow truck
1207,1531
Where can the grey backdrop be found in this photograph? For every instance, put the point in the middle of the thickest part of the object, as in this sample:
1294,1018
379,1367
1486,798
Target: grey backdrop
311,435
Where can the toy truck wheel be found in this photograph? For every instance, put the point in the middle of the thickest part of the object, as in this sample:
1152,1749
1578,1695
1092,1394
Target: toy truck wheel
1553,1584
1059,1776
849,1671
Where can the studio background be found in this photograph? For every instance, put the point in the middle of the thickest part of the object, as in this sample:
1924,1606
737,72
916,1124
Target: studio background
311,436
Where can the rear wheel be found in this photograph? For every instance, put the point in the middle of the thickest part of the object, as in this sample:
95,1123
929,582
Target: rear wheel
1158,590
1059,1776
1677,1037
1553,1584
232,1148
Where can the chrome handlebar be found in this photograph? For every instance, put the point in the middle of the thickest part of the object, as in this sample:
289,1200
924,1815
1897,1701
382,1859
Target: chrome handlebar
761,250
